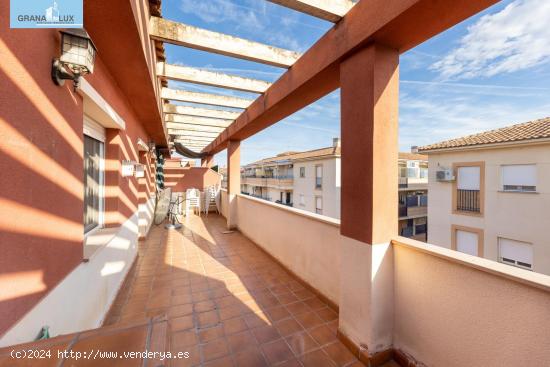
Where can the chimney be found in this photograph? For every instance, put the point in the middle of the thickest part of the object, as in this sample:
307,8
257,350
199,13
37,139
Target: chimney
414,149
336,142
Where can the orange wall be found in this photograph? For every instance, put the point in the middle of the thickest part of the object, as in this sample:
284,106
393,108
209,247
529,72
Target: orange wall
182,178
41,148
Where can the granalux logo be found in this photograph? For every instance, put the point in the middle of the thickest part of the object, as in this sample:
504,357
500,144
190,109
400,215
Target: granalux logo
46,14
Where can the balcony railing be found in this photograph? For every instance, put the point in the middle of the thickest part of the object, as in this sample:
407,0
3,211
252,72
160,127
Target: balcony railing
468,200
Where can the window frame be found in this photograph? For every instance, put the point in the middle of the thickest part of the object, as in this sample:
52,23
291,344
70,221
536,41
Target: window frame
320,186
95,131
502,186
318,210
515,264
302,172
456,166
480,238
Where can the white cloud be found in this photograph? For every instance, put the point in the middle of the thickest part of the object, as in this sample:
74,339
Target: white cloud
219,11
516,38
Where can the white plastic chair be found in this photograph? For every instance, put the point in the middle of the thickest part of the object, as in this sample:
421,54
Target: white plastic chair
210,199
192,201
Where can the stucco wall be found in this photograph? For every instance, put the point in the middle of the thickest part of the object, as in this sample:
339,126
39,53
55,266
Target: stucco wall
449,313
182,178
41,146
306,243
330,191
517,216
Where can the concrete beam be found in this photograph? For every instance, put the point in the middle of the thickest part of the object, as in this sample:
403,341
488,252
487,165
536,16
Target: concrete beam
194,120
205,98
331,10
400,25
205,77
190,127
200,112
223,44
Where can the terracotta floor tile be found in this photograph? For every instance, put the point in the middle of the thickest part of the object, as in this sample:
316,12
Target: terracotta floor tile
255,320
204,306
180,310
193,360
251,357
327,314
308,320
209,318
301,343
288,327
181,339
339,353
322,334
214,350
277,313
316,359
315,303
234,325
221,362
266,334
181,323
277,352
297,307
240,341
229,312
212,333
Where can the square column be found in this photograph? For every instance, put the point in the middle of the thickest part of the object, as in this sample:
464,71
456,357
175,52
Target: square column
233,181
369,82
207,161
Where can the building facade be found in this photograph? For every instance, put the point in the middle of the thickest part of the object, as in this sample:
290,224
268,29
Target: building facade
490,192
413,195
306,180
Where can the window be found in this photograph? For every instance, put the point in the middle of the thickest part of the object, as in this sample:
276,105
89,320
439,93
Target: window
515,253
519,177
468,188
318,177
318,205
302,200
302,172
467,240
93,175
93,182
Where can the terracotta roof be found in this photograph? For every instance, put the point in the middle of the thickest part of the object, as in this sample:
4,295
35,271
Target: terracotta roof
295,156
413,156
532,130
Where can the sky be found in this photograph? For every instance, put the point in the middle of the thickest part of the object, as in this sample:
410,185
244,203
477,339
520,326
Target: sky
489,71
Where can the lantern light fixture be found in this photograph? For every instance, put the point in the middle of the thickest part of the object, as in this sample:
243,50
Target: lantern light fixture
77,57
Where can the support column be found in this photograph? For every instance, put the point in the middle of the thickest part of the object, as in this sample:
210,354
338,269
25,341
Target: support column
207,161
233,181
369,82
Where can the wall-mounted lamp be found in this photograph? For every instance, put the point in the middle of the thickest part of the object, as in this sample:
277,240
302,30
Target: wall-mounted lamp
77,55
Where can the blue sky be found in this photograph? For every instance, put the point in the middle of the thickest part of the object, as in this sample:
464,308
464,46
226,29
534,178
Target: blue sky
490,71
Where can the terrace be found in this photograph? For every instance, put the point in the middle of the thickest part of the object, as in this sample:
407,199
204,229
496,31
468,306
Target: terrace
265,284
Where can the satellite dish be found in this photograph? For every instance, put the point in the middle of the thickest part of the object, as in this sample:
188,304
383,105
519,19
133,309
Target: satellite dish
163,204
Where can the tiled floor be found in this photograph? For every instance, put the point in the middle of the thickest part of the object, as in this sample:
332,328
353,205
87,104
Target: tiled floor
227,302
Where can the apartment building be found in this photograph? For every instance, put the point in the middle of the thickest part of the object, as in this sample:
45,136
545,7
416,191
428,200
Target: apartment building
306,180
490,194
413,195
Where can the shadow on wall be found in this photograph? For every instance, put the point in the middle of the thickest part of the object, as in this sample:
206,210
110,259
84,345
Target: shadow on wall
182,178
41,155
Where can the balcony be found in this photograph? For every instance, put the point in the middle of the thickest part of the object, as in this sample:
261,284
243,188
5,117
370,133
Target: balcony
277,182
468,201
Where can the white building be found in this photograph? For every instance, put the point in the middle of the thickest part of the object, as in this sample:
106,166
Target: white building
306,180
490,194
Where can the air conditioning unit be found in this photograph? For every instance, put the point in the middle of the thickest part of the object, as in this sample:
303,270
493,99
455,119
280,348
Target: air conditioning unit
445,175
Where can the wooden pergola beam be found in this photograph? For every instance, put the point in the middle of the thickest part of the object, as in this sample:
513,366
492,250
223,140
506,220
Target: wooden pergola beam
200,112
400,25
205,98
187,133
194,120
214,79
219,43
331,10
190,127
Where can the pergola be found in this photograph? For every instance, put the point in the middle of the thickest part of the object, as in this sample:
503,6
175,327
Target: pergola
359,55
